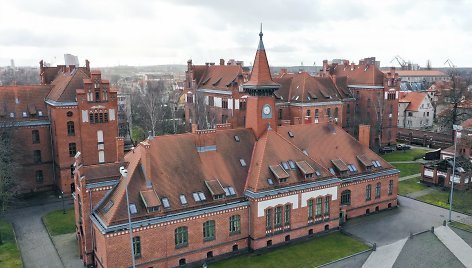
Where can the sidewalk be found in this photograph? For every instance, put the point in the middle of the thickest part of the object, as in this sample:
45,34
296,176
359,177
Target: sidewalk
455,244
385,256
409,177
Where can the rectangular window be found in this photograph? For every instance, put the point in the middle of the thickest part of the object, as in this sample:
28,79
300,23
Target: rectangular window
211,101
39,176
35,135
278,216
224,104
287,214
181,237
209,230
70,128
72,149
377,190
368,192
319,203
269,219
326,208
310,209
235,224
390,187
37,156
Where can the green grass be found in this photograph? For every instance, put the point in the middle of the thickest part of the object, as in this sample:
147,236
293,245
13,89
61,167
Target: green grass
59,223
462,201
407,155
410,186
306,254
461,226
9,252
408,169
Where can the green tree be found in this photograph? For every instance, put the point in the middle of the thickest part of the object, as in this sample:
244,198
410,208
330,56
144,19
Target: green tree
8,164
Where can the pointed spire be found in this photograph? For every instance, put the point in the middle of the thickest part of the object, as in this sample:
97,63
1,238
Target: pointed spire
261,82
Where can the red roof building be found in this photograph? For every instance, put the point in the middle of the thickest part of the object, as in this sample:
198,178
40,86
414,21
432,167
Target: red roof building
217,192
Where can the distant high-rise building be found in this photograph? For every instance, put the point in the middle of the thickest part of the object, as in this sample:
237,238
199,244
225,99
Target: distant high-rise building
70,59
12,63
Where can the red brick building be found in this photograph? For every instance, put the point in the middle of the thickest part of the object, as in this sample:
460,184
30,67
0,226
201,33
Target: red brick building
211,193
375,98
72,110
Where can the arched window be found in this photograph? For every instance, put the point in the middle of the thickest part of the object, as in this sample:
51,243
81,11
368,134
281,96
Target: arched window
70,128
346,197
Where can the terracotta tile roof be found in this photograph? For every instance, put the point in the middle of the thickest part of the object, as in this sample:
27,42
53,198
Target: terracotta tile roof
305,168
340,165
413,98
272,149
177,168
322,144
65,84
361,74
304,88
27,99
220,77
365,160
260,74
403,73
101,172
467,123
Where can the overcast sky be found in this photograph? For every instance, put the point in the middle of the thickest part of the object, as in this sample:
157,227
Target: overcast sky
145,32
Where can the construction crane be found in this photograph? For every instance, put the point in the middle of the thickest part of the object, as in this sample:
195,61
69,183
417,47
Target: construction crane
400,61
450,63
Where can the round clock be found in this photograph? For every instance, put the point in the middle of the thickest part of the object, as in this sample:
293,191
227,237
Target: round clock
266,110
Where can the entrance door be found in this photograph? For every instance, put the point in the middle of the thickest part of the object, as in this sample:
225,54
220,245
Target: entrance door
341,218
441,180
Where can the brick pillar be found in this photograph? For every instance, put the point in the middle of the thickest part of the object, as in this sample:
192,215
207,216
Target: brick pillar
364,135
120,149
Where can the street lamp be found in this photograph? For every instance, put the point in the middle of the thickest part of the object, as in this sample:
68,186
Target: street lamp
457,129
124,173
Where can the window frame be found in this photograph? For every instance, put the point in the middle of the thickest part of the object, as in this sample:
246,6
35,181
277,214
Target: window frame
35,136
181,236
137,246
235,224
378,190
346,197
209,230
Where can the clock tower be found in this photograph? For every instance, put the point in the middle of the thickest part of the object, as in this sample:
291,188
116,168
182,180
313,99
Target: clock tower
260,112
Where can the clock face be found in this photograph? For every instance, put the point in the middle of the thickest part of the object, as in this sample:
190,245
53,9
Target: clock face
266,111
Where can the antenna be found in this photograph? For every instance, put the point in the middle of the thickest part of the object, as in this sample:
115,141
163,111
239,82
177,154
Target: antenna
450,63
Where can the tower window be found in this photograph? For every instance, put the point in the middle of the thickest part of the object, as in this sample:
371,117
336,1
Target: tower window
70,128
72,149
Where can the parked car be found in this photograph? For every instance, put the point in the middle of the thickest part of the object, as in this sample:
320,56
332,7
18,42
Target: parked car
403,147
386,149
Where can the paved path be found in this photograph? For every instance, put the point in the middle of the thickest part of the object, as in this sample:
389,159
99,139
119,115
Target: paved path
37,249
421,193
455,244
385,256
409,177
66,245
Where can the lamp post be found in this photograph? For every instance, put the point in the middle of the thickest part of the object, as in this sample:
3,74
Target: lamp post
457,129
124,173
63,208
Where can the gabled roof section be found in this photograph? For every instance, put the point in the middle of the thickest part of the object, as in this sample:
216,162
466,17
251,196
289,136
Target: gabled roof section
340,165
359,74
304,88
271,150
220,77
365,161
260,74
415,99
24,98
322,144
215,188
150,198
305,168
65,85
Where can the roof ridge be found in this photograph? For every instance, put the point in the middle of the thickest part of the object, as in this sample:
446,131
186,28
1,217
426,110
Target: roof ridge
258,171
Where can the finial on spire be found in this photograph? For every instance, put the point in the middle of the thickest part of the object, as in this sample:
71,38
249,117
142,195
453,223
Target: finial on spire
260,33
261,44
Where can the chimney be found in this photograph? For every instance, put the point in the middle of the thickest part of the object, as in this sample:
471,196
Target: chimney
364,135
222,62
212,63
189,64
194,128
325,66
87,66
346,62
352,66
147,159
120,149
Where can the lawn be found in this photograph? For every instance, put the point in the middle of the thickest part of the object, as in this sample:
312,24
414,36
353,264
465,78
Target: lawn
9,252
408,169
461,200
306,254
407,155
59,223
461,226
410,186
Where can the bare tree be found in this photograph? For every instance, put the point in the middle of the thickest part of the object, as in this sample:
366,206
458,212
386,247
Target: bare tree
452,100
206,117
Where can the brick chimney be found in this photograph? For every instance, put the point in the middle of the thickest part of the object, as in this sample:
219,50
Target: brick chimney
364,135
222,62
120,149
87,66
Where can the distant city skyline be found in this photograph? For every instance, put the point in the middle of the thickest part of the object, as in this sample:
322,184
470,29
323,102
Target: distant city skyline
110,33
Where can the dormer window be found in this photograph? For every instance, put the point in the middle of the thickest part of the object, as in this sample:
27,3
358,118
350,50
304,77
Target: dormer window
150,199
183,200
229,191
352,168
332,171
291,164
132,209
40,113
25,114
340,166
285,165
199,196
279,172
216,190
376,163
269,181
165,202
305,169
